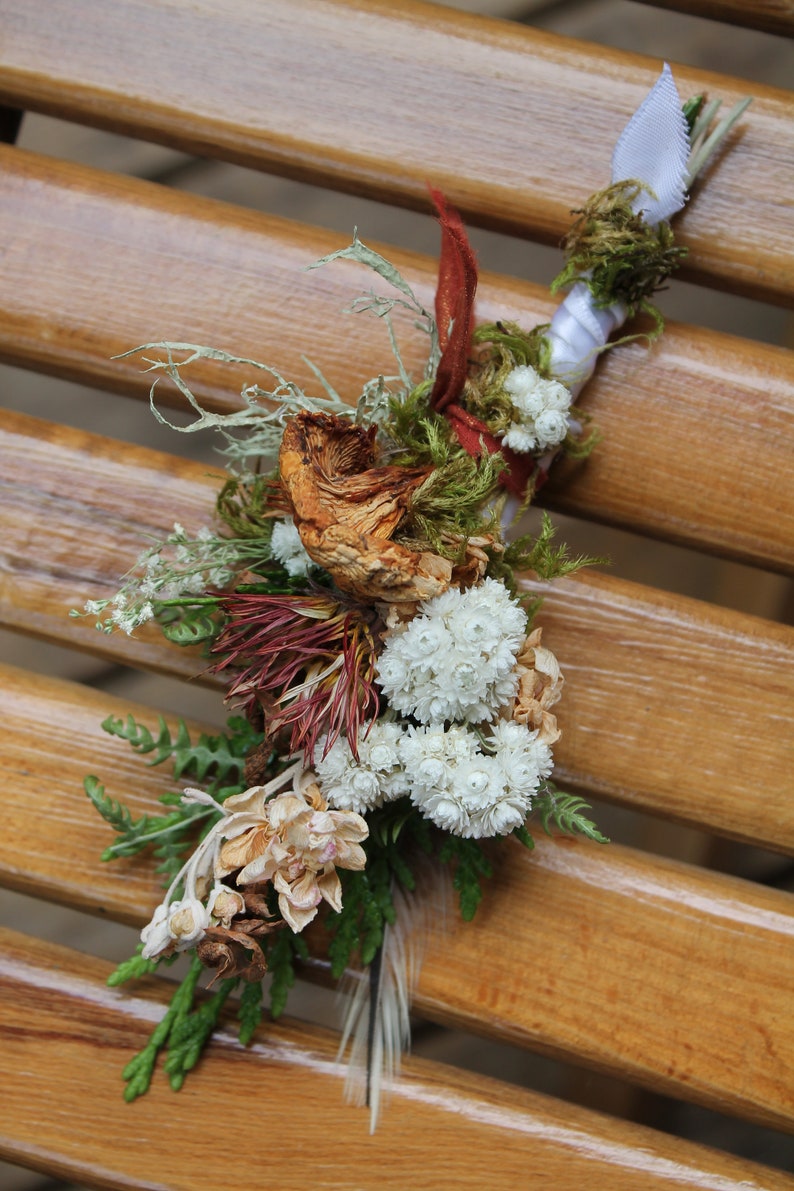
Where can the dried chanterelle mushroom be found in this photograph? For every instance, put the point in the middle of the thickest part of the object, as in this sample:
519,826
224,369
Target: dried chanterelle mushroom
346,510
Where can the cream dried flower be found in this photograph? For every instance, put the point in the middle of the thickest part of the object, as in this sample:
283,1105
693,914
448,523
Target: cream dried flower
540,684
472,784
296,843
376,777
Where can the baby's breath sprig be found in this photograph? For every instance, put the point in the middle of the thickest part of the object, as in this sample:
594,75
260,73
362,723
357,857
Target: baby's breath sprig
176,576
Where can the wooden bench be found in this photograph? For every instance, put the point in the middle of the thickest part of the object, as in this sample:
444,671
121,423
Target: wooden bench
671,977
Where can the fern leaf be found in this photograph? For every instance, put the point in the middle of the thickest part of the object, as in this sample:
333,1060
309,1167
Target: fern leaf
114,813
565,811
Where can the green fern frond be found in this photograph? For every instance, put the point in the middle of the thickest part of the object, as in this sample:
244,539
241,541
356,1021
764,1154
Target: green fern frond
222,757
471,866
564,811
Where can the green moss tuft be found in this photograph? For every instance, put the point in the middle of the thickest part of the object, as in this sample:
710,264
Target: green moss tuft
246,507
618,256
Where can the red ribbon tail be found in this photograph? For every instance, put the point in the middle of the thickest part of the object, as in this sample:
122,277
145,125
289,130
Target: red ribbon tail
457,285
474,436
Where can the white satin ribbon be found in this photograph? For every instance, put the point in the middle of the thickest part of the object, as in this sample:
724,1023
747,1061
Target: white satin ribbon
653,149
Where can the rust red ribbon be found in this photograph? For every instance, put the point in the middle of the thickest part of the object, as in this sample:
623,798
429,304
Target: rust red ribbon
457,285
473,435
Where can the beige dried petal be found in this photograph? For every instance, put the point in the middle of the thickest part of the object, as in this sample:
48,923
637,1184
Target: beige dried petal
330,888
237,853
540,684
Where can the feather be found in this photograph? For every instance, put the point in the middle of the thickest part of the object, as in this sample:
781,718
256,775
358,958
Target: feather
377,1002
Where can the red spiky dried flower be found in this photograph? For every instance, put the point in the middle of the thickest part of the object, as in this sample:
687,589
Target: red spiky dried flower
307,661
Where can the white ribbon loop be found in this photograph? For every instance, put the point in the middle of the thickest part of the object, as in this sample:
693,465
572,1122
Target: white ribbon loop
653,149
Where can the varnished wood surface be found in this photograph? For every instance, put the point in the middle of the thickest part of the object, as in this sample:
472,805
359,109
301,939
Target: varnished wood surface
668,699
94,265
633,964
65,1038
772,16
516,125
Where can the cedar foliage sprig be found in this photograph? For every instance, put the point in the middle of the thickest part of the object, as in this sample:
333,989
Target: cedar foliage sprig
183,1031
284,949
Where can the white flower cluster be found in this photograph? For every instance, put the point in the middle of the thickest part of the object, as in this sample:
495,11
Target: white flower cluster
467,783
541,408
288,549
456,659
377,777
468,791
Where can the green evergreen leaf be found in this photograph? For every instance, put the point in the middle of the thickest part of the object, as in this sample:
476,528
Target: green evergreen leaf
115,813
249,1013
134,968
523,835
191,1032
221,757
193,626
284,949
138,1072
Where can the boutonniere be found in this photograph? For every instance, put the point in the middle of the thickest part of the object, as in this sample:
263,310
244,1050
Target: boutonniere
394,698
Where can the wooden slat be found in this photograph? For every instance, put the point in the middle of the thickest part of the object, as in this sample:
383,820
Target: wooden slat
65,1038
516,125
772,16
582,951
175,266
664,692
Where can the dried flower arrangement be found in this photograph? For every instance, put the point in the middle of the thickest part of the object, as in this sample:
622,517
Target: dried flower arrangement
359,598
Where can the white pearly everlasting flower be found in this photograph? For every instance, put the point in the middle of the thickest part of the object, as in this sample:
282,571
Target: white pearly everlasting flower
456,659
287,548
541,410
468,791
377,776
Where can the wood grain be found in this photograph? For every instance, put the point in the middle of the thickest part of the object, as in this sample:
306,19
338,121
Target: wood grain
65,1038
772,16
668,698
586,919
189,269
517,127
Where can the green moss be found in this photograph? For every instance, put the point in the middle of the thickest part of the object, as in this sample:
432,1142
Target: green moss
246,507
618,256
